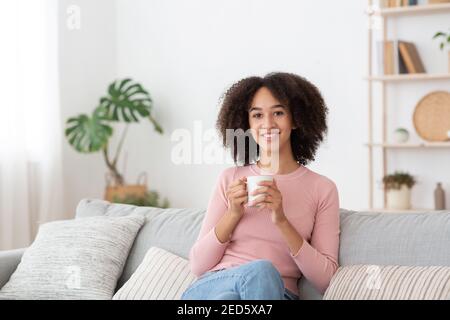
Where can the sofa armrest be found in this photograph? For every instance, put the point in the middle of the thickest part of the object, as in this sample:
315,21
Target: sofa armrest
9,260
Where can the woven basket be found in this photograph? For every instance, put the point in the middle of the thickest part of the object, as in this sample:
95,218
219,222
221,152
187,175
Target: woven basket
136,190
432,116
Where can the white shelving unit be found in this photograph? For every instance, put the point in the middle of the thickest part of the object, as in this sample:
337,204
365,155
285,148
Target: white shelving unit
409,77
411,10
410,145
383,145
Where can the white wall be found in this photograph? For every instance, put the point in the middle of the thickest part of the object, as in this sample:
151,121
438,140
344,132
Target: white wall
88,61
187,52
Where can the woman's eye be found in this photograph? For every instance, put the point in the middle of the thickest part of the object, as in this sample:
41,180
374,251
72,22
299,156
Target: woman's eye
279,113
257,115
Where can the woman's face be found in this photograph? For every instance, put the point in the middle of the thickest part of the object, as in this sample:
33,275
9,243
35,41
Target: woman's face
270,121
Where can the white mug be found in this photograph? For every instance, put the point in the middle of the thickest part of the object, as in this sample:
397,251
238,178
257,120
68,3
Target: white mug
252,185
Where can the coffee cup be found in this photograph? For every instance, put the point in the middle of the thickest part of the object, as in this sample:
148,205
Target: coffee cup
252,185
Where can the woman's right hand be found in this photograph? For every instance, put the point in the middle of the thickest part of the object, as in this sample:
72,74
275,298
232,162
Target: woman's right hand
237,196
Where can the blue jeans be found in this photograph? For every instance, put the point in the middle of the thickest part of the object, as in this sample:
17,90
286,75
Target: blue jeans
256,280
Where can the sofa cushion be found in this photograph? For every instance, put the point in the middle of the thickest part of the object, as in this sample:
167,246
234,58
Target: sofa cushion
380,238
161,276
174,230
371,282
407,239
76,259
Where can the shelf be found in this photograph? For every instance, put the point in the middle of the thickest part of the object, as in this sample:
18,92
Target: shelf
374,210
379,99
410,145
411,10
410,77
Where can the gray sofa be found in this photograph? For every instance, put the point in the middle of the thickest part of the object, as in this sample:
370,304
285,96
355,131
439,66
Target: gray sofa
366,238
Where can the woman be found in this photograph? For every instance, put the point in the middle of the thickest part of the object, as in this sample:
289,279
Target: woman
247,252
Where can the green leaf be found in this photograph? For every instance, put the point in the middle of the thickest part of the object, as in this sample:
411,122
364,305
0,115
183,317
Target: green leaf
87,134
123,83
124,115
149,199
126,101
439,34
111,89
131,88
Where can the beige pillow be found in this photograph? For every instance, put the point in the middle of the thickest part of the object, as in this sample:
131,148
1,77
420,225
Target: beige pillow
74,259
373,282
161,276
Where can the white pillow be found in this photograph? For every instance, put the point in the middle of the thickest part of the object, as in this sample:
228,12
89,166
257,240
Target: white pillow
371,282
75,259
161,276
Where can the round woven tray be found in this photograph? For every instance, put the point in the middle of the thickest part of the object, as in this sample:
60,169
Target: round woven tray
432,116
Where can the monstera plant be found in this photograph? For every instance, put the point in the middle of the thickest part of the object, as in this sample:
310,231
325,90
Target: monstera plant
126,101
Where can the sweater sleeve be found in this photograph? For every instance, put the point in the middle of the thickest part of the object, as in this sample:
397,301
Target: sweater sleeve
318,260
207,251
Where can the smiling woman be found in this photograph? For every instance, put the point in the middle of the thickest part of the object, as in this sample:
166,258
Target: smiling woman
259,249
280,101
30,128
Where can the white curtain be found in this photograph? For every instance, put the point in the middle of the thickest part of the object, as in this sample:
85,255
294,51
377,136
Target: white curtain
31,133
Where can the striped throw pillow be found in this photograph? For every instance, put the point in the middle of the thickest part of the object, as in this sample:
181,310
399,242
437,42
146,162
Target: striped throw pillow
161,276
371,282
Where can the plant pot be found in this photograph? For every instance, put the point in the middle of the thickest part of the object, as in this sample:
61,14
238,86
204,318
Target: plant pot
120,192
127,190
399,199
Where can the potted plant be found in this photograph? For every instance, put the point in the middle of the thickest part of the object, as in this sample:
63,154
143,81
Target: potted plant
125,101
444,41
398,186
150,199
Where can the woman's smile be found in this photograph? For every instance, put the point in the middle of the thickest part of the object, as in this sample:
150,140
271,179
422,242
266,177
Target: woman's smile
272,135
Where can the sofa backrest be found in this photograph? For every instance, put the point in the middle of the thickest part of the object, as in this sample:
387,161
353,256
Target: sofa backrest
366,238
374,238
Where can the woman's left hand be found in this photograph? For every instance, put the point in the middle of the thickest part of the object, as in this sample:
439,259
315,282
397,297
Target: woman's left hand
271,198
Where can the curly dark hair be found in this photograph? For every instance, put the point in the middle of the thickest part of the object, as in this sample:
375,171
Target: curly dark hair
304,100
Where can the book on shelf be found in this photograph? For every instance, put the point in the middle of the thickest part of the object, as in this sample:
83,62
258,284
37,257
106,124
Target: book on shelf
411,57
389,59
398,57
396,3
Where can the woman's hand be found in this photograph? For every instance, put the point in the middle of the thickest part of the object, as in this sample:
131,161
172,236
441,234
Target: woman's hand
237,196
270,197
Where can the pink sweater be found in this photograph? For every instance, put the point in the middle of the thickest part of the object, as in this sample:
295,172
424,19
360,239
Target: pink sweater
310,203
